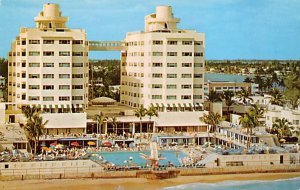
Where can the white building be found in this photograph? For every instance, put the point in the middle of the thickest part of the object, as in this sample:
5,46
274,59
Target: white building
48,65
163,65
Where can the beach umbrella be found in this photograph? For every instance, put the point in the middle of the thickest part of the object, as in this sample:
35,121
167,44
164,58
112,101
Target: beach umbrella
53,144
282,140
75,144
59,146
91,143
107,144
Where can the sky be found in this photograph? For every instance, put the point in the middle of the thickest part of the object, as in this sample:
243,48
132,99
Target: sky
234,29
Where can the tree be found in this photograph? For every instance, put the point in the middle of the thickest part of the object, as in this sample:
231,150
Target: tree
244,95
214,96
101,119
248,80
277,97
212,120
140,112
292,83
114,123
282,127
246,123
228,95
35,126
255,113
152,111
268,83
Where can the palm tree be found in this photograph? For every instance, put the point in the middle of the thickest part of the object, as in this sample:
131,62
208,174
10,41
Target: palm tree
213,96
152,111
277,97
268,83
282,127
35,127
114,123
255,113
30,111
246,123
140,112
244,95
227,95
101,119
212,120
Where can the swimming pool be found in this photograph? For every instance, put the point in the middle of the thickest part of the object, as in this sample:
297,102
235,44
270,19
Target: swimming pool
118,158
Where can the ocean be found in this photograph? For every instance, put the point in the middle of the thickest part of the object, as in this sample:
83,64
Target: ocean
223,77
281,184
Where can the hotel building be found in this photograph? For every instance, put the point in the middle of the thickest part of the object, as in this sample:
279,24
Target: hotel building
163,65
48,65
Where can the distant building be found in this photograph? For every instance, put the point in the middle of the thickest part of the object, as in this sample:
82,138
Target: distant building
221,86
163,65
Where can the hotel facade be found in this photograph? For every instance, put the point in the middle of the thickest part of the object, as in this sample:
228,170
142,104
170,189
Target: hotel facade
163,66
48,65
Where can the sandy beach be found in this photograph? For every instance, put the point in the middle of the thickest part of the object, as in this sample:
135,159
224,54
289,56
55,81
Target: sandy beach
134,183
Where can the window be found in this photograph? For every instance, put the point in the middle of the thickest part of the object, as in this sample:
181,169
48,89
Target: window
171,97
171,86
157,53
77,98
77,41
295,122
197,75
197,96
156,85
64,41
186,86
48,53
198,42
34,53
77,75
64,76
186,97
48,76
23,85
48,41
48,98
198,65
64,64
157,42
186,75
197,85
64,87
186,64
64,53
34,76
48,87
171,64
33,98
187,53
77,64
171,42
198,54
157,64
34,87
156,75
172,53
64,98
34,41
23,64
77,53
155,97
34,64
48,64
187,42
77,86
171,75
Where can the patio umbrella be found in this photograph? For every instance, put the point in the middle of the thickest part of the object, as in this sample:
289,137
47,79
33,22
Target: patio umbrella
53,144
58,146
107,144
91,143
74,144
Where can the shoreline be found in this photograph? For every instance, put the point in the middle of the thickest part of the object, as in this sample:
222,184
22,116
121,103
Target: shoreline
135,183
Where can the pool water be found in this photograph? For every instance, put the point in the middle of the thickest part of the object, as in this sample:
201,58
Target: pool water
118,158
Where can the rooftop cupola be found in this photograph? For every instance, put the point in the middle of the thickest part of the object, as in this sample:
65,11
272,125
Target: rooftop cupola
50,17
162,20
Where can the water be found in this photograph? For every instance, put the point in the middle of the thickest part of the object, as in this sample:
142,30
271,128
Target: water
118,158
282,184
223,77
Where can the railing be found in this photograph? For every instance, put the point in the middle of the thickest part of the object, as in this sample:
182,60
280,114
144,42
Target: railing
106,46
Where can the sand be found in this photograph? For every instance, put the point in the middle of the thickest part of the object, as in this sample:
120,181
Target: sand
133,183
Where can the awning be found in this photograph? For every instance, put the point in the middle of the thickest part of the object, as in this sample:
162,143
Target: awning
162,105
62,106
50,106
157,105
184,104
44,106
38,106
191,105
179,105
168,105
56,106
174,105
68,106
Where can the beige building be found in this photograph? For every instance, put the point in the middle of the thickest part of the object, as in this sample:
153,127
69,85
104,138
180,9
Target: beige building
163,65
48,64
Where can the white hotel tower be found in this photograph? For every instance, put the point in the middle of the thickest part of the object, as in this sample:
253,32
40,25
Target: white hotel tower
163,65
48,65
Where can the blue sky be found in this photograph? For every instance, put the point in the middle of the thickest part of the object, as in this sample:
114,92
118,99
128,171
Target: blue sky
235,29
